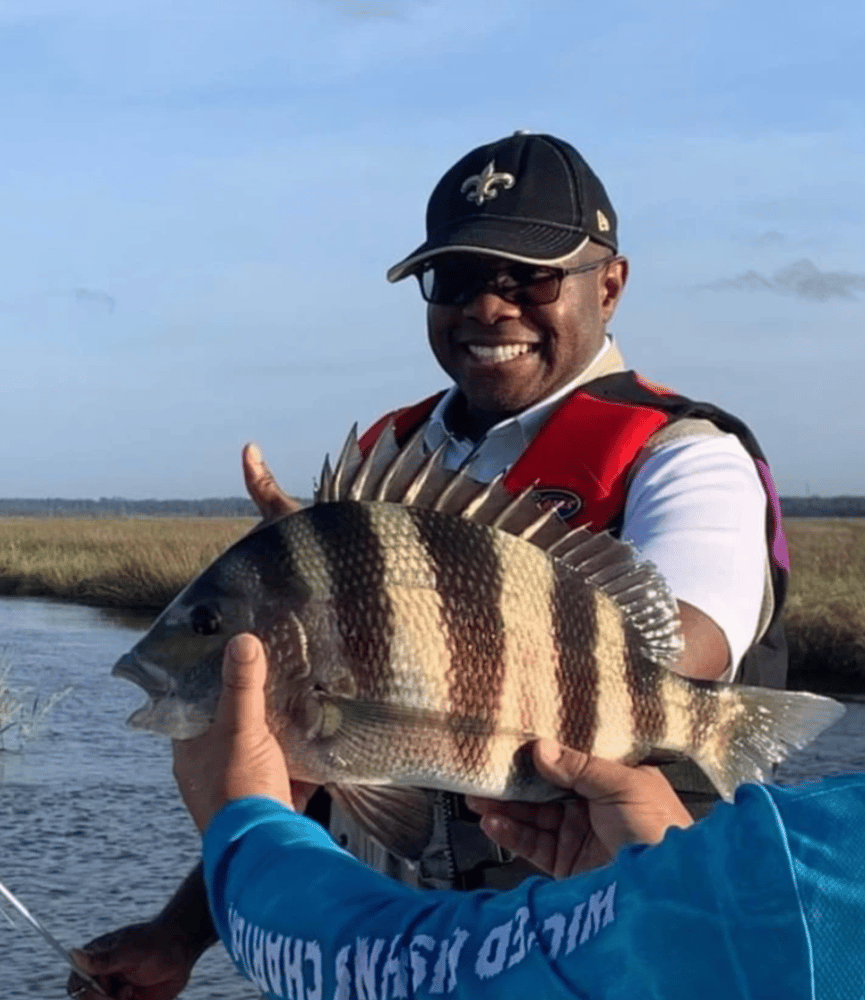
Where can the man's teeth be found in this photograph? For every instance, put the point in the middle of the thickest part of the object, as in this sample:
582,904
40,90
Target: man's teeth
500,353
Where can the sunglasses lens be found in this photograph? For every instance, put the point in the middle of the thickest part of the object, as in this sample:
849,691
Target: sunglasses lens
447,283
538,288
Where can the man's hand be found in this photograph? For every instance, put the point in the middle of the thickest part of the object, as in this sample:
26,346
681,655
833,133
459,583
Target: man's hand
140,962
271,500
238,756
619,805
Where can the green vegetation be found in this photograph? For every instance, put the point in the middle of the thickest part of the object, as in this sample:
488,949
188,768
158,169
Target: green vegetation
141,563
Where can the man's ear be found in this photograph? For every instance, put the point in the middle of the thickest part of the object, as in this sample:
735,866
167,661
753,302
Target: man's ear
615,277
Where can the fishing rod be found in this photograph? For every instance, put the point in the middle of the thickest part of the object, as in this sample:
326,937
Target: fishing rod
47,936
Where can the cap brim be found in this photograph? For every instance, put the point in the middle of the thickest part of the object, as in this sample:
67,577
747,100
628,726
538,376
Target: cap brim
520,240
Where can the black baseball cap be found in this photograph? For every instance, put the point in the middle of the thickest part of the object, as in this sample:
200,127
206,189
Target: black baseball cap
528,197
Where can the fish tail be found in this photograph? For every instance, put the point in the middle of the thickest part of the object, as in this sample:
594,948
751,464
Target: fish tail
736,734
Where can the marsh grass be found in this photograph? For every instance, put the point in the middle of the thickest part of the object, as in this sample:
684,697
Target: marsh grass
124,562
22,712
825,617
143,562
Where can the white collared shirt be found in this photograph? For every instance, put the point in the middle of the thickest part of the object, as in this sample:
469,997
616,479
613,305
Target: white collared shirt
695,507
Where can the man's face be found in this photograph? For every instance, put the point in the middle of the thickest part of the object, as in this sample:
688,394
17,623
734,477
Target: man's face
504,357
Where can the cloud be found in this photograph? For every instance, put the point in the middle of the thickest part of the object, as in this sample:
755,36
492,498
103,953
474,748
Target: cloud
768,239
94,298
800,278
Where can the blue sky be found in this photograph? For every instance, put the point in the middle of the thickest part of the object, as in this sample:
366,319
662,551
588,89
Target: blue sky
199,200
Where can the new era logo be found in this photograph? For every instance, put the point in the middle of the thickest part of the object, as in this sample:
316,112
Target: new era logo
603,222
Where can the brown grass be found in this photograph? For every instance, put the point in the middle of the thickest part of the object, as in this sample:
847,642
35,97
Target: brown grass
123,562
825,617
144,562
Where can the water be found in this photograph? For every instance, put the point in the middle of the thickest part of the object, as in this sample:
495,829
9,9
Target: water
93,834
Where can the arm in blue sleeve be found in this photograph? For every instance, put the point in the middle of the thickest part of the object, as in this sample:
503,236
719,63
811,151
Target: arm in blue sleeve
711,912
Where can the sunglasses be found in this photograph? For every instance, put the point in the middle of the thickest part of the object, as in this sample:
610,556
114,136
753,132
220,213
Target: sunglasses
457,282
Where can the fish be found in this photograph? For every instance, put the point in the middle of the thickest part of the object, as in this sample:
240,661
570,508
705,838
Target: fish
422,629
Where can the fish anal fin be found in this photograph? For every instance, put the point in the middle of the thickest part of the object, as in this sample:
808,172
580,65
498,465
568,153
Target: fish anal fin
400,819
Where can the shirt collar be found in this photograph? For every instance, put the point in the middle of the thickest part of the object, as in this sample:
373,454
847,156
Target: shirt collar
518,431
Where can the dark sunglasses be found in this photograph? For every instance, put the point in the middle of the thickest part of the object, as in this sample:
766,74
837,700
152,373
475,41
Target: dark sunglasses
457,282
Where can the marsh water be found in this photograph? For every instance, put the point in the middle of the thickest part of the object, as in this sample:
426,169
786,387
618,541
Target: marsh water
92,832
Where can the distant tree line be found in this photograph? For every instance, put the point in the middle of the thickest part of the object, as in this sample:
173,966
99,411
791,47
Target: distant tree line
823,506
120,507
243,507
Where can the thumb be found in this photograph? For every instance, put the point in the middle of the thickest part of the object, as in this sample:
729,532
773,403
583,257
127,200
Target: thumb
590,777
272,501
244,672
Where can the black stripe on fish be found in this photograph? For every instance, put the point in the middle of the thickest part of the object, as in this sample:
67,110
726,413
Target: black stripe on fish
575,627
363,610
644,681
468,578
703,711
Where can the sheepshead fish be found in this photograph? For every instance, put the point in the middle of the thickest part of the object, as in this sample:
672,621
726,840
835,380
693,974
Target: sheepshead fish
422,628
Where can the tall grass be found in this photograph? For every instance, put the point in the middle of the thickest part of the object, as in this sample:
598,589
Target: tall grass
825,616
22,712
143,562
123,562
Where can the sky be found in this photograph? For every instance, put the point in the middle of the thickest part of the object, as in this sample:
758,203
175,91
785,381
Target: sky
199,201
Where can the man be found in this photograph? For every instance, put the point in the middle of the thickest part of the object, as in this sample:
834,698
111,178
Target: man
522,275
763,899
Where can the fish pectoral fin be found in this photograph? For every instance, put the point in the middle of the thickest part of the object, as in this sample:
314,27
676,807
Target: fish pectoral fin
400,819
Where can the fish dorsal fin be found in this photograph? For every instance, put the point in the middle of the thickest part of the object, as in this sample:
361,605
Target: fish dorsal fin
409,476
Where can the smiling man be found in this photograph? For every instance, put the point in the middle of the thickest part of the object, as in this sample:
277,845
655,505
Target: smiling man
522,275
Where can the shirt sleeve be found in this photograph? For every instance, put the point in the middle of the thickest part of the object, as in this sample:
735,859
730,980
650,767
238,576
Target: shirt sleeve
712,912
697,510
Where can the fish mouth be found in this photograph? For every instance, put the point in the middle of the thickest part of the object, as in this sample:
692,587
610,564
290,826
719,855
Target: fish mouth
156,682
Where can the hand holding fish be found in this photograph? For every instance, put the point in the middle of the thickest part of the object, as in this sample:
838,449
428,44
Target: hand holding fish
237,756
618,805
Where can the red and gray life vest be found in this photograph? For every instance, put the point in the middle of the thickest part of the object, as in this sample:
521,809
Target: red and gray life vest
587,474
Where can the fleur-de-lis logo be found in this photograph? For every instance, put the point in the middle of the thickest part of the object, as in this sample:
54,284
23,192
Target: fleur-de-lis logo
482,187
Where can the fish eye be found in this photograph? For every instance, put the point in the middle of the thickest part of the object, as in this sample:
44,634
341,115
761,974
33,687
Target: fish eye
205,619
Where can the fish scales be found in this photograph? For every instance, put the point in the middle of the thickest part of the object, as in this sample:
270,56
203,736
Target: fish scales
578,690
467,574
702,714
362,605
614,734
424,643
648,708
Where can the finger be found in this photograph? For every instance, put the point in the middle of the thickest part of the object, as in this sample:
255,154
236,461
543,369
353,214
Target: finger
591,777
537,846
79,990
272,501
244,671
101,963
545,816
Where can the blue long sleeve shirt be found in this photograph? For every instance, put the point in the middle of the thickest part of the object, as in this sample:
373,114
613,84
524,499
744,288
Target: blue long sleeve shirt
763,899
